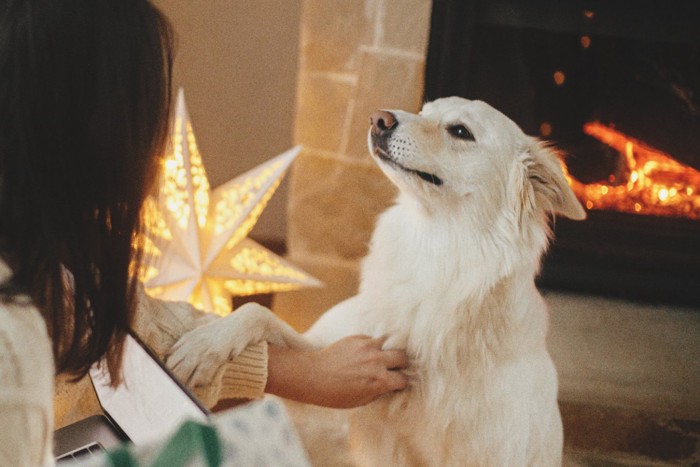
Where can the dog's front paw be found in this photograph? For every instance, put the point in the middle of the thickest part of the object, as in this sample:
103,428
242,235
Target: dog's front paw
199,353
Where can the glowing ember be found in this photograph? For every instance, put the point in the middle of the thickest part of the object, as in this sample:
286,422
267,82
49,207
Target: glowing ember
655,184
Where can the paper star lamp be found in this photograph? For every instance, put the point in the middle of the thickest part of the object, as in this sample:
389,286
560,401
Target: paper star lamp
195,240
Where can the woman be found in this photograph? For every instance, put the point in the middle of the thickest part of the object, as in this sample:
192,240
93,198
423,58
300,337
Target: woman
84,104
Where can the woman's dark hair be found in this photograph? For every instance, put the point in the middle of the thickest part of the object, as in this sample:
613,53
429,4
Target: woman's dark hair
84,105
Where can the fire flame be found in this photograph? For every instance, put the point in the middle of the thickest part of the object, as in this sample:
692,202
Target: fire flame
655,183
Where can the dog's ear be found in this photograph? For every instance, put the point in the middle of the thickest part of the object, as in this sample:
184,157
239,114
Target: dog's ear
549,186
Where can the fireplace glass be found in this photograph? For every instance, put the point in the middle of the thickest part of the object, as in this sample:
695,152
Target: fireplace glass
615,86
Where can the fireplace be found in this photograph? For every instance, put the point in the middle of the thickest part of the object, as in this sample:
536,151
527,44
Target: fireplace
616,86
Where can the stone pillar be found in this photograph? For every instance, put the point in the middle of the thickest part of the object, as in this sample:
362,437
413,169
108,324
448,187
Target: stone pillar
355,57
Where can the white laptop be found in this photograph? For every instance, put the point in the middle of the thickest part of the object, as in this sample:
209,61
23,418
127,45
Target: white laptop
148,404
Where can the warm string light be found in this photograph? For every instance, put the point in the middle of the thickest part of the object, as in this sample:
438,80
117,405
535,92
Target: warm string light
251,261
559,77
655,184
194,239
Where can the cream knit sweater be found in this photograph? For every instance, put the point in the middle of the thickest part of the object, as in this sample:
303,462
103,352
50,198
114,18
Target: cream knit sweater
27,372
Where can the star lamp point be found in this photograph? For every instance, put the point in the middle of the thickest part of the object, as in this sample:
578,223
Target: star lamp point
194,239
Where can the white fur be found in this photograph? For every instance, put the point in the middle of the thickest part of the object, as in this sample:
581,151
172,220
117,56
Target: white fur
450,278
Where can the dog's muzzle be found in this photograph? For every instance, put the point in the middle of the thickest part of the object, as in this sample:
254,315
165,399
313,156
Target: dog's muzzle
382,126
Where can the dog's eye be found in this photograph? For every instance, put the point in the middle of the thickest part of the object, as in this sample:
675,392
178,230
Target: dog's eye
461,132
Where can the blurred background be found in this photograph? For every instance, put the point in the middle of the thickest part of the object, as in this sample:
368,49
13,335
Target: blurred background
237,61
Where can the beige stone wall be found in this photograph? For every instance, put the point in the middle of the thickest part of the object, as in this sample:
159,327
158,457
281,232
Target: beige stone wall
355,57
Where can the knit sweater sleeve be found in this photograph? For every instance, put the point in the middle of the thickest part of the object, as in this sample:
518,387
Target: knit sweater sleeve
26,387
160,324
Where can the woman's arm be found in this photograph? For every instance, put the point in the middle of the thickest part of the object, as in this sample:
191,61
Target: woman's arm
349,373
160,324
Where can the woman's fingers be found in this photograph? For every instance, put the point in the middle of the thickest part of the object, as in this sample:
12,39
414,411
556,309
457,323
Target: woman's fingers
395,359
396,380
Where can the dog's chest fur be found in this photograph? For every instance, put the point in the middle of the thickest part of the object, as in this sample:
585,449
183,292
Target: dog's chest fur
441,286
462,310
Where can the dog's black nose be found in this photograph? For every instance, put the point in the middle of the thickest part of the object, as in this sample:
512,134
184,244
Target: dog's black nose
382,122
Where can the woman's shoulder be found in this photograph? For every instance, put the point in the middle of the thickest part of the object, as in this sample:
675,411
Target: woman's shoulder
26,384
25,347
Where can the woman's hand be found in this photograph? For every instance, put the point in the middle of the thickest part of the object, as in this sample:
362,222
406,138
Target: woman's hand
349,373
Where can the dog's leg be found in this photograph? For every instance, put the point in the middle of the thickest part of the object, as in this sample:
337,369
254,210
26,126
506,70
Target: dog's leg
549,450
198,353
375,443
342,320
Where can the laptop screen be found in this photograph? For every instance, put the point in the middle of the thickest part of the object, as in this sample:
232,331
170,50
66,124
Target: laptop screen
148,404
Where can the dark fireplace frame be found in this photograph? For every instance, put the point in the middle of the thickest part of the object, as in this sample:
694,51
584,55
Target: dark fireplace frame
640,258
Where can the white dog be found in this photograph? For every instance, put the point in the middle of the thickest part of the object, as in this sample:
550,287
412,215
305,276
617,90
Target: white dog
450,278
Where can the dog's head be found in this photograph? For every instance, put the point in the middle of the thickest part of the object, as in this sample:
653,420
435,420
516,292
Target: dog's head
467,152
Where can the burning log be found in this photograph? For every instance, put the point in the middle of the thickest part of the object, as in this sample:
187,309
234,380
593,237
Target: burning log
655,183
